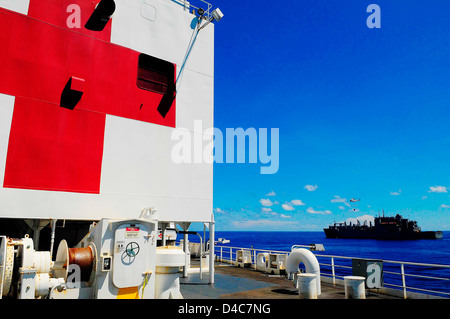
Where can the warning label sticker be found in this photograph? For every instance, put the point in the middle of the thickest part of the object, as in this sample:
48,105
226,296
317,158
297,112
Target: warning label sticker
120,246
132,232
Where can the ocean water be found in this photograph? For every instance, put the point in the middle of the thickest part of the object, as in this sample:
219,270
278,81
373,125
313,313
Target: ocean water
419,251
423,250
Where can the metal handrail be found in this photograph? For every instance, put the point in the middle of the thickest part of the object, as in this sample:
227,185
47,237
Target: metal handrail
229,251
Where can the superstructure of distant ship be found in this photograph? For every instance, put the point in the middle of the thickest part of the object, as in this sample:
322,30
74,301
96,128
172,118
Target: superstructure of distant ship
383,228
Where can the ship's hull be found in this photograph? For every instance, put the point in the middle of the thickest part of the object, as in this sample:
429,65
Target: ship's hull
373,234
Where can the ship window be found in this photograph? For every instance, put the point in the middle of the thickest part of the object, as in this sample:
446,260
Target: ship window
155,75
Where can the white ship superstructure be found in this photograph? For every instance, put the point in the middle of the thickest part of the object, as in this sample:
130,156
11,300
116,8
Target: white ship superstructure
90,94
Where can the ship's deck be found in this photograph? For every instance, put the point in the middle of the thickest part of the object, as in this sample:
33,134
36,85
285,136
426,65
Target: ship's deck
244,283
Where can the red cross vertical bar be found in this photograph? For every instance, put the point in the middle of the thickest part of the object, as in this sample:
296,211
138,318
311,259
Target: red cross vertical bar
54,148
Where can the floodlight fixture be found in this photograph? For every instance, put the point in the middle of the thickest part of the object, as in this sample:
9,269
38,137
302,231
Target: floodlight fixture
216,15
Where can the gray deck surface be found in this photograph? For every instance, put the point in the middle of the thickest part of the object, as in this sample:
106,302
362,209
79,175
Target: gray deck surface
244,283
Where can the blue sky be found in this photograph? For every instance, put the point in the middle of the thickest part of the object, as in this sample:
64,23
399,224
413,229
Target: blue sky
362,113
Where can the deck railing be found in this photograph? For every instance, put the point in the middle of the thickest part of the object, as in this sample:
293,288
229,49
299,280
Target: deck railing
396,274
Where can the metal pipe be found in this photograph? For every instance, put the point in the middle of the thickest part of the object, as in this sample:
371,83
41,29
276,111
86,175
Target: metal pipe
185,247
308,259
201,254
201,246
402,269
204,235
163,234
332,271
36,237
211,249
52,238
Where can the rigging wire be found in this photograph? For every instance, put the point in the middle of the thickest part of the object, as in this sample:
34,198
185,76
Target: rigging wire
188,52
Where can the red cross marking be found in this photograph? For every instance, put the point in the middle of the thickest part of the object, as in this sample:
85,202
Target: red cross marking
50,147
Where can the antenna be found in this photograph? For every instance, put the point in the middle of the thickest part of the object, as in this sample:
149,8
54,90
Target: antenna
216,15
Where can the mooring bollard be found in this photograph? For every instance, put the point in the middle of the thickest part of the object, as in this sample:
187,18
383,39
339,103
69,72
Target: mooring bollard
307,285
354,287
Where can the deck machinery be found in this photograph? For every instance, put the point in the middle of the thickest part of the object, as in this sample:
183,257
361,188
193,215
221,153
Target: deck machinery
93,95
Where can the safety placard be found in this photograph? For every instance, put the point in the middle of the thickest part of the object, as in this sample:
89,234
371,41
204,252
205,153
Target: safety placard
132,232
120,246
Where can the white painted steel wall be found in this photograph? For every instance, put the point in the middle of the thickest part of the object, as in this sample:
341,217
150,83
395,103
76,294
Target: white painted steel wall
137,169
20,6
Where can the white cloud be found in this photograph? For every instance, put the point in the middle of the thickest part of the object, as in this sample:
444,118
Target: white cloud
338,199
287,207
272,193
311,188
297,202
266,209
218,210
341,207
262,223
266,202
437,189
424,197
312,211
396,193
285,216
444,206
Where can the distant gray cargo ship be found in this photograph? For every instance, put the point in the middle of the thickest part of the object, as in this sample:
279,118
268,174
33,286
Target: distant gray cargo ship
384,228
